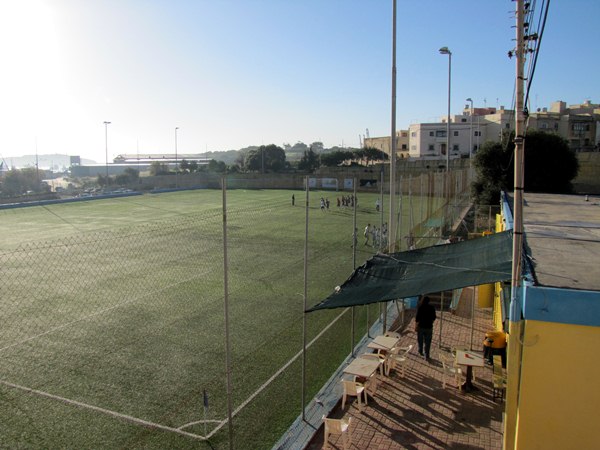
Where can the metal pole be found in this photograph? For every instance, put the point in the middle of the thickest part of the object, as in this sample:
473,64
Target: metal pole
400,215
306,210
380,245
106,147
441,316
176,163
226,299
421,199
471,135
448,117
474,290
354,245
391,232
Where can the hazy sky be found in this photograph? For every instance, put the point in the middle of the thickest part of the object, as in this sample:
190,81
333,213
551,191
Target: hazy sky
234,73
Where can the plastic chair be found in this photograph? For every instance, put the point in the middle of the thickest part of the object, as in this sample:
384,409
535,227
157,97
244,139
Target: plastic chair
354,389
338,426
392,334
449,370
398,355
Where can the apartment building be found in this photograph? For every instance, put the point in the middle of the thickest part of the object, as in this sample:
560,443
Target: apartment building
384,144
468,131
578,124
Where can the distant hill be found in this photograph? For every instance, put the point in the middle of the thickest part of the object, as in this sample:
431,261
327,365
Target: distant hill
55,162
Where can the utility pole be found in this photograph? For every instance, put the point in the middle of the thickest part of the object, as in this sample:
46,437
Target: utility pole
515,323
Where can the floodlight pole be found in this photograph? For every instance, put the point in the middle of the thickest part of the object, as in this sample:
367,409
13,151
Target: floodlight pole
471,135
106,124
226,308
176,164
391,232
306,210
446,51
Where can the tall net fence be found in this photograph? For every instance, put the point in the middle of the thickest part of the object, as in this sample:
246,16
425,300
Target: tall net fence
123,328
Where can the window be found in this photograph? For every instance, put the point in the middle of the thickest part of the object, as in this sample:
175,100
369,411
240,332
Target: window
431,133
463,119
477,133
413,147
413,134
404,134
543,126
455,148
508,125
431,147
440,133
403,146
456,133
579,126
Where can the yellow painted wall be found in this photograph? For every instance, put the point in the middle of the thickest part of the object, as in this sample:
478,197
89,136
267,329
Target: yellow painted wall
559,391
498,286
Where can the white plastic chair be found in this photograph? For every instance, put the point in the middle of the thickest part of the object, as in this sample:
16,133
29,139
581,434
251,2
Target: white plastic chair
354,389
393,334
449,369
338,426
397,356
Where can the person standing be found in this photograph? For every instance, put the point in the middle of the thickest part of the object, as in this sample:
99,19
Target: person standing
293,200
424,326
367,233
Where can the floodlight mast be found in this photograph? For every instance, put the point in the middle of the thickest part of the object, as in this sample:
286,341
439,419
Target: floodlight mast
446,51
106,124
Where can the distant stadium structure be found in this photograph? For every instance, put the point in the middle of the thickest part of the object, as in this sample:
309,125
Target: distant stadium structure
140,162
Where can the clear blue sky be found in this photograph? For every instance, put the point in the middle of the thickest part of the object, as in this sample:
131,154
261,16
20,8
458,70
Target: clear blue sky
234,73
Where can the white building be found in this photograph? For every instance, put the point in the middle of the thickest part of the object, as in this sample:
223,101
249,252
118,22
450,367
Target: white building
468,131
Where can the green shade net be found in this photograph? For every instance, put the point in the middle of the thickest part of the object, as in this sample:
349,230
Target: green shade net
432,269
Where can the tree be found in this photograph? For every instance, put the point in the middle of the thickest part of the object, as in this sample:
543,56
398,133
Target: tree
158,168
265,158
217,166
184,166
309,161
133,174
549,166
373,154
336,158
122,179
17,182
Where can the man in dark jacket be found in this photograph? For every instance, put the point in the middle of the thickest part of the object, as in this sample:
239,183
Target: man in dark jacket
424,326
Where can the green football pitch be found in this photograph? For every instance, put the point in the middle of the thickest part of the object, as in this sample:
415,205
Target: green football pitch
113,321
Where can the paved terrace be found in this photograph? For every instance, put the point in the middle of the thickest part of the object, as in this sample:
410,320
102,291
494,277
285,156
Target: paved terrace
416,412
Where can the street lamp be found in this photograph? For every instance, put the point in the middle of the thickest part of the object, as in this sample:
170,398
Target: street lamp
106,124
176,169
471,132
446,51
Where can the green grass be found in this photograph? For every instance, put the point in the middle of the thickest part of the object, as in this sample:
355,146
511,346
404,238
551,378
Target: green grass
119,304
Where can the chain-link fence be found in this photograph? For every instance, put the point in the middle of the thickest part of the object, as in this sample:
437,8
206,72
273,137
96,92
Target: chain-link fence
122,328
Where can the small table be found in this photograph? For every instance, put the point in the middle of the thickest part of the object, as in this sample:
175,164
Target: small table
469,359
363,368
385,343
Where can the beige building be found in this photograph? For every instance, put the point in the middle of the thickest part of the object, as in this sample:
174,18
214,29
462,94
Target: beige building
468,131
578,124
384,143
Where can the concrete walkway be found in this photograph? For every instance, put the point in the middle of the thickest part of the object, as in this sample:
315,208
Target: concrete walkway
416,412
